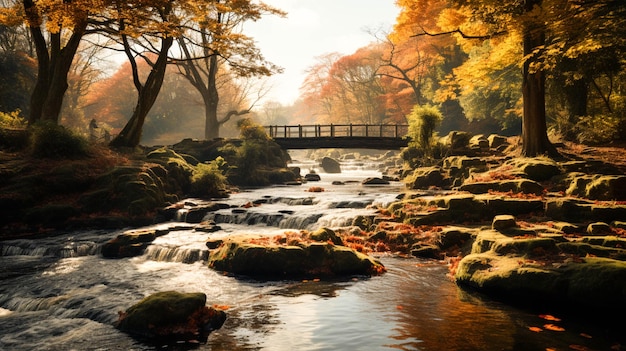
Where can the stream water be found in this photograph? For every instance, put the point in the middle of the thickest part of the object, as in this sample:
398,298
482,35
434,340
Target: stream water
59,293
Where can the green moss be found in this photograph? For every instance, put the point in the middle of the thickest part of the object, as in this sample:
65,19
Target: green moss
161,310
242,255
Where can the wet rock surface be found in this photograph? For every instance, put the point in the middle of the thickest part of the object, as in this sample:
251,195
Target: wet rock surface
172,316
290,256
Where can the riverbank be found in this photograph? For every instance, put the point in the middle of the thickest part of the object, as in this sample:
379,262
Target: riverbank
105,188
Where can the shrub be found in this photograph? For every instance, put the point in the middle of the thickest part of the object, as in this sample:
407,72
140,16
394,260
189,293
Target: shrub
208,179
50,140
13,134
598,129
249,130
12,119
423,120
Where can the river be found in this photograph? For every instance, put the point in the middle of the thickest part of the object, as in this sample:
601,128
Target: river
59,293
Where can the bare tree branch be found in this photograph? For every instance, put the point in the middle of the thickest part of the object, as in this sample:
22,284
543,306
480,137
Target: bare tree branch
460,32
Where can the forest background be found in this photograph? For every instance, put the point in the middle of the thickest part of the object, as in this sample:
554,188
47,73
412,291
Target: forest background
192,69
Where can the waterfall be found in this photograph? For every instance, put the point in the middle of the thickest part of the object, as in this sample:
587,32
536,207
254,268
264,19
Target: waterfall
175,254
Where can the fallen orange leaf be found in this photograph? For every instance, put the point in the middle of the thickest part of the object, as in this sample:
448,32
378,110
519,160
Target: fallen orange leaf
550,349
399,307
584,335
221,307
535,329
549,317
553,327
578,348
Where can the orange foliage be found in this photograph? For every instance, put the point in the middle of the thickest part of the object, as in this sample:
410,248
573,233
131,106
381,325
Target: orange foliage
553,327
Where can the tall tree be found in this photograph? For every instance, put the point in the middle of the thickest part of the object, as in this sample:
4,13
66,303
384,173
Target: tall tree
66,24
214,41
143,26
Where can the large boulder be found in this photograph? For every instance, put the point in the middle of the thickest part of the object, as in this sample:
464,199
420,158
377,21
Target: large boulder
279,258
171,315
597,187
541,265
330,165
425,177
130,243
591,283
456,139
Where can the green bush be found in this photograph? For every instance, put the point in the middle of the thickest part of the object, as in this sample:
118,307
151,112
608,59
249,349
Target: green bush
12,119
423,120
598,129
208,179
249,130
49,140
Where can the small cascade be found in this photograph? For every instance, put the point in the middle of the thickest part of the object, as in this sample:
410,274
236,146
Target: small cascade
352,204
305,201
175,254
35,248
242,216
300,222
29,304
181,215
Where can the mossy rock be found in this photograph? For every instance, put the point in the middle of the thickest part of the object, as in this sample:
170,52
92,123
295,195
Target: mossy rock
598,187
324,235
504,277
242,256
130,243
456,139
498,204
513,185
171,314
580,210
465,162
452,236
425,177
486,240
495,141
501,222
594,283
531,247
583,248
537,169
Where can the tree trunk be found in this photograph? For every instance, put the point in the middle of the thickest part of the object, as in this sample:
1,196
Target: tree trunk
211,101
130,136
58,81
534,129
53,67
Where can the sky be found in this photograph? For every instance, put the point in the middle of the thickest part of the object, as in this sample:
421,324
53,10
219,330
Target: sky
313,28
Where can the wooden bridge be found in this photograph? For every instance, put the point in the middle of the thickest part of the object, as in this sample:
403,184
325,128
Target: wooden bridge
345,136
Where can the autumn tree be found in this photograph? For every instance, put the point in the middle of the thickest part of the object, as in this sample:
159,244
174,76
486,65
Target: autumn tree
354,85
214,45
56,29
138,28
319,105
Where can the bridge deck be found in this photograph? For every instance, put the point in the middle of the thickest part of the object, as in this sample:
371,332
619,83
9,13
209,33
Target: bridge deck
353,136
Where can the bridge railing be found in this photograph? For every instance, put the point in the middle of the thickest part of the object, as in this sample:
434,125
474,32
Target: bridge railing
338,130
